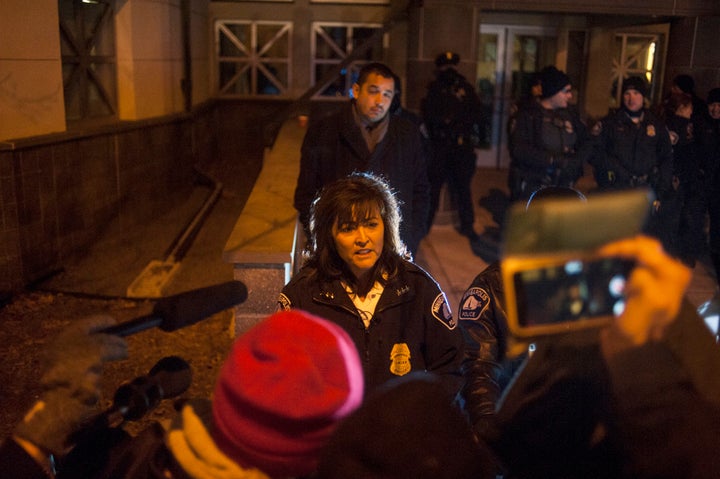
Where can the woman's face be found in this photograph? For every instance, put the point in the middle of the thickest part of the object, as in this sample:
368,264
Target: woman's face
360,243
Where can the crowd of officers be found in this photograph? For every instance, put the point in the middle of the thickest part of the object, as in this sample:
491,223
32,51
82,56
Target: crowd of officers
671,149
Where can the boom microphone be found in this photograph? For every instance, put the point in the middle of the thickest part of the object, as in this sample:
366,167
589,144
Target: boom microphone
184,309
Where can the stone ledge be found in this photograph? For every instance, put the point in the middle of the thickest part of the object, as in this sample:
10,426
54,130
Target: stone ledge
262,244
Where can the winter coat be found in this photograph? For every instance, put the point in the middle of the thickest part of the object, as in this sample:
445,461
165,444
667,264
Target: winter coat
412,328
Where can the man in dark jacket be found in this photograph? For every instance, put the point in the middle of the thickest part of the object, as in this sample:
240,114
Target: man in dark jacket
363,136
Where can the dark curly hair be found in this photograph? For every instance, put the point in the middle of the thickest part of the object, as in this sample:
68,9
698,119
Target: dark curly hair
346,200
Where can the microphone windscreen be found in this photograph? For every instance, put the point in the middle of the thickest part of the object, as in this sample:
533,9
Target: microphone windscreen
188,308
173,375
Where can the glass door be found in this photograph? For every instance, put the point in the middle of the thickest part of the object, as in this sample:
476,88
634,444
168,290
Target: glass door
508,56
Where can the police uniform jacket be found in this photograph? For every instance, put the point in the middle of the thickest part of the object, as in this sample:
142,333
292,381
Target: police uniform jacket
547,146
486,369
334,147
634,154
412,328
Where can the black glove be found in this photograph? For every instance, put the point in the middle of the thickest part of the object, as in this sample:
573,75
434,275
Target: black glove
71,384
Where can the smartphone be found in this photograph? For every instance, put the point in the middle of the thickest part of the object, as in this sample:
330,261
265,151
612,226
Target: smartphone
554,281
563,292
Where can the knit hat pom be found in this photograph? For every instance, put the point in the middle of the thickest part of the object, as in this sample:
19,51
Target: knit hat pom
281,391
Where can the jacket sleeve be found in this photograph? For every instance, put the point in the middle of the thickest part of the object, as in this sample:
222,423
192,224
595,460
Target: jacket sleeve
603,156
667,422
421,193
663,184
309,180
481,367
443,339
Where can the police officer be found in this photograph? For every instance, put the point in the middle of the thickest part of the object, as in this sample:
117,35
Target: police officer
452,117
633,149
709,137
682,121
546,138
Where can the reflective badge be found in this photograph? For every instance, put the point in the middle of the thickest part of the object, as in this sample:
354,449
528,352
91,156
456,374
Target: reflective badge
650,130
284,303
441,311
674,138
400,359
474,302
568,127
596,129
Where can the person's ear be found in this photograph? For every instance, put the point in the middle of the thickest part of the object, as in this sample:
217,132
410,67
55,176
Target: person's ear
356,90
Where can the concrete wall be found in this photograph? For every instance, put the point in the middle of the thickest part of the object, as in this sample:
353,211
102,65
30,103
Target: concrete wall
31,85
149,55
150,58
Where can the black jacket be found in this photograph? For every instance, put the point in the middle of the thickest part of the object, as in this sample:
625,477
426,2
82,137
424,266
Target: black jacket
631,154
412,311
334,147
547,147
486,368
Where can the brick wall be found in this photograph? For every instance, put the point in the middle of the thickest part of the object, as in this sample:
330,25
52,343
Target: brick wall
58,193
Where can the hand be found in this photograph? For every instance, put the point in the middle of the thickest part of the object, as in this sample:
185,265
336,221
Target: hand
654,292
71,384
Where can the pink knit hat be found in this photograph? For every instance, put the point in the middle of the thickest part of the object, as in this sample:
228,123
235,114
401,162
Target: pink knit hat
282,390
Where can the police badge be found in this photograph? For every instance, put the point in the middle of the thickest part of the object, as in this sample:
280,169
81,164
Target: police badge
400,359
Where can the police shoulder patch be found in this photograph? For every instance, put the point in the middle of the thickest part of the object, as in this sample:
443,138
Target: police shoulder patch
474,302
284,303
441,311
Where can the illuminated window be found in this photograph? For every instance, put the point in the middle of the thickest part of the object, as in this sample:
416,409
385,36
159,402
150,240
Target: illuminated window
332,43
635,55
253,58
87,42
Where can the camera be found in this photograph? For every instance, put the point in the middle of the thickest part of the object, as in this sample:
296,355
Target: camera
554,279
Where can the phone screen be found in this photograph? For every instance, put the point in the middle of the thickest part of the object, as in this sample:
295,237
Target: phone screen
571,290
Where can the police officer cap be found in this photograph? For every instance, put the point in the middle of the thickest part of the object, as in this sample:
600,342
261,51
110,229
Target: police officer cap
447,58
635,83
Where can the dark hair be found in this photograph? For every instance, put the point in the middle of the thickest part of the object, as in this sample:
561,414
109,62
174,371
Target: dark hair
377,68
346,200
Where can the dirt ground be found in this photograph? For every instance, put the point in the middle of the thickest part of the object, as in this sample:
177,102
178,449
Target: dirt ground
32,320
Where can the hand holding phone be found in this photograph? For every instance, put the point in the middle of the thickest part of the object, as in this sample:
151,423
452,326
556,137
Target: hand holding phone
554,276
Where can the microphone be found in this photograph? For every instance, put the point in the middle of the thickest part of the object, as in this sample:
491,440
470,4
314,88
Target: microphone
184,309
170,377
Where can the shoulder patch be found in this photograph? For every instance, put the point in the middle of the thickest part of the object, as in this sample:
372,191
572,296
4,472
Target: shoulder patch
474,302
441,311
284,303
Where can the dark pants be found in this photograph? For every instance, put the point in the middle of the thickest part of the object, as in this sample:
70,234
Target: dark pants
456,165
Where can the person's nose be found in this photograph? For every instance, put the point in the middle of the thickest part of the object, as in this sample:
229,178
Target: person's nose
362,238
